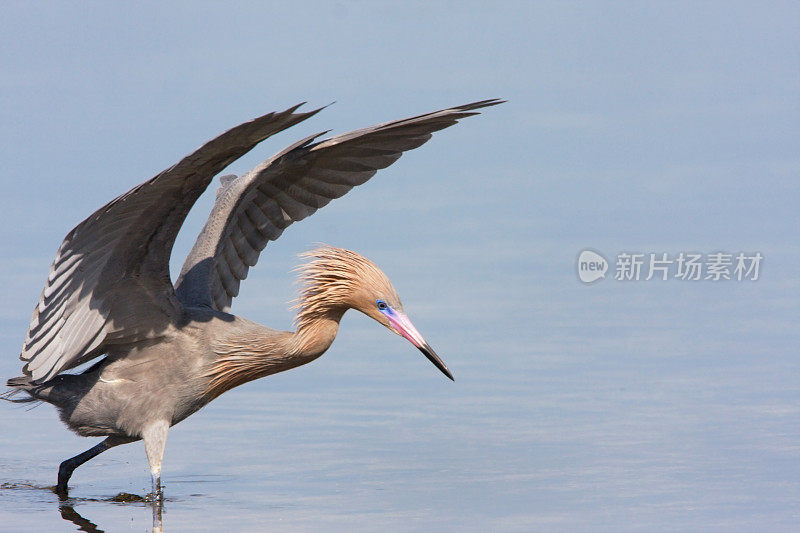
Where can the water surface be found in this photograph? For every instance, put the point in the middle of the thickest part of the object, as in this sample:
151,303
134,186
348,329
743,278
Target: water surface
644,127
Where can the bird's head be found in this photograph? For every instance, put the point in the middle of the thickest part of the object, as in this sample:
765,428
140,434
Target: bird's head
338,279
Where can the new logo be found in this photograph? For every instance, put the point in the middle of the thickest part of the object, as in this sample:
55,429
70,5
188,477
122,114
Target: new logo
591,266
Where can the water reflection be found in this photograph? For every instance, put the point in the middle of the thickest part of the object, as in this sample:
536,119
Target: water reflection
66,504
69,513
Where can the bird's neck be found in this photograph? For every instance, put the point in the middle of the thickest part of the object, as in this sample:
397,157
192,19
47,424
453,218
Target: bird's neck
256,354
314,334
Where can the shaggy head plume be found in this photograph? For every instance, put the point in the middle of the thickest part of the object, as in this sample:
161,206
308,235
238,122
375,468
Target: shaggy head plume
336,279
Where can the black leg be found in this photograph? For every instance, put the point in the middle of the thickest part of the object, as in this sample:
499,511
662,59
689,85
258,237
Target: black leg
68,467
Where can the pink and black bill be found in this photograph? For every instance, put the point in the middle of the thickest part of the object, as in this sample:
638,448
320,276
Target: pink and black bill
403,326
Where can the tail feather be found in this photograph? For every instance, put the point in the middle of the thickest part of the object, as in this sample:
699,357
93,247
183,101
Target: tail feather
19,385
19,381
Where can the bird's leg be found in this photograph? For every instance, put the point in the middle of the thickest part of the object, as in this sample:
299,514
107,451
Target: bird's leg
157,506
68,467
155,440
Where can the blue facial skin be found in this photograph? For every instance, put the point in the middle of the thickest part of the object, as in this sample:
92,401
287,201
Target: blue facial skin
384,308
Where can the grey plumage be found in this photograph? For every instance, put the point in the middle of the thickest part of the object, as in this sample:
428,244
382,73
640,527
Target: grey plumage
110,280
287,188
167,351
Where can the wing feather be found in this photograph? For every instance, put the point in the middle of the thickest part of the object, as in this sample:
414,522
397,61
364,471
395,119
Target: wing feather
289,187
110,279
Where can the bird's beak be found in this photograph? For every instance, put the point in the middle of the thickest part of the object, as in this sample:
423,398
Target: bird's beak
403,326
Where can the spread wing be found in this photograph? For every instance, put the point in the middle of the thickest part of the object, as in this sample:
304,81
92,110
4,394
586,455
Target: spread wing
110,282
252,210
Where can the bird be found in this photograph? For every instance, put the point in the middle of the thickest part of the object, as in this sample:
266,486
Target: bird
163,351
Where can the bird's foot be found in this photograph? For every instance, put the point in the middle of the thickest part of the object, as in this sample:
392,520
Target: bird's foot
64,473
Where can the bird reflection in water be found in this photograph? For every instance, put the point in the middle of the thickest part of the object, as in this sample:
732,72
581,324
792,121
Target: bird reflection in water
69,513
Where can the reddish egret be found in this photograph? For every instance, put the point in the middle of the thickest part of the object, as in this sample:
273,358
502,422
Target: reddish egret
166,351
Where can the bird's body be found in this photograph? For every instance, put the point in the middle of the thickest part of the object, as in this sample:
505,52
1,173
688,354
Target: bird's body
166,351
165,378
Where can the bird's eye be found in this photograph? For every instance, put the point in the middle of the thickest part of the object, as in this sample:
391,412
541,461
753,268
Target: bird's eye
382,305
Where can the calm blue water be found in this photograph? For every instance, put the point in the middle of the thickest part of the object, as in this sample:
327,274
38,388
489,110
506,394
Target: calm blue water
605,407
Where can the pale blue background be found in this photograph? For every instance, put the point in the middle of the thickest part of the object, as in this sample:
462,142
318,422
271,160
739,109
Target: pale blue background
639,126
